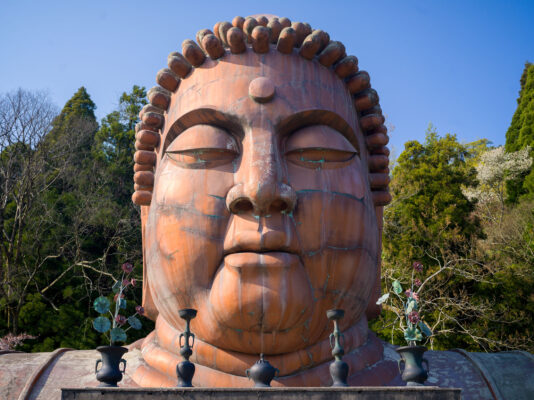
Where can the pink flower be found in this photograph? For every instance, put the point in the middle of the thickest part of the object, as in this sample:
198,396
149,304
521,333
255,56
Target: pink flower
121,319
133,281
125,282
417,266
413,317
10,341
417,282
116,297
127,267
411,294
140,310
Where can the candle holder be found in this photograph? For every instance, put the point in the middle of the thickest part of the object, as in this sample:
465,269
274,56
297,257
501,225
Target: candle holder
339,369
186,369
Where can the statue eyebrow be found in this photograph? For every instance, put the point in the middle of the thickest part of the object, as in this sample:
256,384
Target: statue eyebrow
208,116
306,118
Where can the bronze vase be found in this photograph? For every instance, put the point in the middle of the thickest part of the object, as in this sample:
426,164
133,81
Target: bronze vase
412,357
110,373
262,373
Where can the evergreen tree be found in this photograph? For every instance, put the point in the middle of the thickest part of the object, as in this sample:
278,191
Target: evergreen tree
429,207
83,224
430,221
114,143
520,134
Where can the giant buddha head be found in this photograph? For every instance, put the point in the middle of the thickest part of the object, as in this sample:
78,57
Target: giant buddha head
261,172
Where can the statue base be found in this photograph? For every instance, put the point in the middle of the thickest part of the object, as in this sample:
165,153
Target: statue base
289,393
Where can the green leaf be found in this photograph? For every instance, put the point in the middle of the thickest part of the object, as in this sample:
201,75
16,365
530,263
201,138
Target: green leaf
116,287
118,335
412,335
134,322
122,303
409,334
101,324
397,288
418,336
382,299
425,329
411,305
101,304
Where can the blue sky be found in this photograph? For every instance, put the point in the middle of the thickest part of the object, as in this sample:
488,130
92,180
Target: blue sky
456,64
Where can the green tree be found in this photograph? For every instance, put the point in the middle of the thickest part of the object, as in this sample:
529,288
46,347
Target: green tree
114,143
25,175
79,106
520,134
429,207
431,221
81,224
93,208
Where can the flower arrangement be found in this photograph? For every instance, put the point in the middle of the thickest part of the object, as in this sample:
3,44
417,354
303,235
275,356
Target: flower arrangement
11,341
411,322
102,305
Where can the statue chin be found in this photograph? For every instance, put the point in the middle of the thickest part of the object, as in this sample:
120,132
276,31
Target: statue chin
261,293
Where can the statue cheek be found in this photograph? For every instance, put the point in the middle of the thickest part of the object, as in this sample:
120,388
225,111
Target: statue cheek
188,225
336,225
334,208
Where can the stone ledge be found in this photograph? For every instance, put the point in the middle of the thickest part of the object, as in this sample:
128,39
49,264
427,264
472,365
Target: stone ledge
349,393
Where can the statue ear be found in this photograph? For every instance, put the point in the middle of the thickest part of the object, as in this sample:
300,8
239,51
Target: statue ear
373,310
148,304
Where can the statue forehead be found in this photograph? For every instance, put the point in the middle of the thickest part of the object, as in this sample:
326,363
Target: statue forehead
224,85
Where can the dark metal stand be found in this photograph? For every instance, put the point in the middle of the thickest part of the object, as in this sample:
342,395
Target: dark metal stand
186,369
339,369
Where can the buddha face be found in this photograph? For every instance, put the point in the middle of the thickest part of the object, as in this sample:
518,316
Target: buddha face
261,216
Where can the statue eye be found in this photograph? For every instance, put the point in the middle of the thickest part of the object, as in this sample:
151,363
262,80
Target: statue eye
202,146
319,146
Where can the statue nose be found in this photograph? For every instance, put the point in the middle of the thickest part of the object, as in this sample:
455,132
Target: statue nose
261,199
261,186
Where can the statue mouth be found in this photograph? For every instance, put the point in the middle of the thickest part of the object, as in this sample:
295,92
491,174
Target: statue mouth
266,242
269,259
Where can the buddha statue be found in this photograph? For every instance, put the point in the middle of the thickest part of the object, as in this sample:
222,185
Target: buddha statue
261,171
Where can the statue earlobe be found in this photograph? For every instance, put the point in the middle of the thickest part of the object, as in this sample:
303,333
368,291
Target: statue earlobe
148,304
373,310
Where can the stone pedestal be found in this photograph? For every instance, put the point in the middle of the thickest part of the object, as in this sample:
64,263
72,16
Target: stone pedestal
346,393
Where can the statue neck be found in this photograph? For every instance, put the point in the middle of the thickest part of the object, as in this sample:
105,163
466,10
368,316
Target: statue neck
217,367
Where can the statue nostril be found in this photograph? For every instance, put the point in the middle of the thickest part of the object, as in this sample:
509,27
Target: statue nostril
279,205
242,206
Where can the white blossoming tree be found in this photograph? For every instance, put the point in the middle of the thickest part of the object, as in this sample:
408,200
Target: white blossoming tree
494,169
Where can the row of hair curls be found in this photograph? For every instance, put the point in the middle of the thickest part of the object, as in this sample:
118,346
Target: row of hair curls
260,34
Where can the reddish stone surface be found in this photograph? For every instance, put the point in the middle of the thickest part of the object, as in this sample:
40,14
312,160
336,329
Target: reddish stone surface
261,90
503,375
261,215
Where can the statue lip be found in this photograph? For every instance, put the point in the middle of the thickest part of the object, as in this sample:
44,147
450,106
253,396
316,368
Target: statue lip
274,259
256,242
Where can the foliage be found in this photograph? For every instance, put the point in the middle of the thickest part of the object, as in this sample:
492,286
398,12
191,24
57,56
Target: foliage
71,220
114,143
431,221
11,342
423,214
495,168
477,290
520,134
508,252
102,306
407,310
